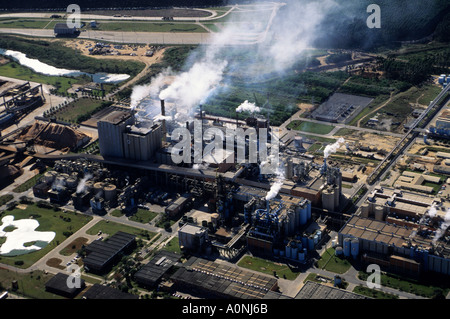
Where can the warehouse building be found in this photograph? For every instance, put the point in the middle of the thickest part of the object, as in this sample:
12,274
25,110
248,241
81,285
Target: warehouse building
101,255
314,290
193,238
153,272
110,130
200,276
58,285
104,292
64,29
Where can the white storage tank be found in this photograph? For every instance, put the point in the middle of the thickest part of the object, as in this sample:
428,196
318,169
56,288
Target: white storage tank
379,213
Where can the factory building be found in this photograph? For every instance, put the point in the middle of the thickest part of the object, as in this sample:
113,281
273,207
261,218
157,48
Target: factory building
58,285
314,290
156,269
121,135
204,277
193,238
101,255
98,291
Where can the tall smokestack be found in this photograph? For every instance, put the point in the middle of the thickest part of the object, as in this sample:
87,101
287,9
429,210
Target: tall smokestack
163,114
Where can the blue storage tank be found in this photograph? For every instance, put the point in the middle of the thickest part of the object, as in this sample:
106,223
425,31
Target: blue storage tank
347,247
294,252
425,259
305,241
303,216
316,239
308,210
301,256
319,234
311,243
355,248
276,252
288,251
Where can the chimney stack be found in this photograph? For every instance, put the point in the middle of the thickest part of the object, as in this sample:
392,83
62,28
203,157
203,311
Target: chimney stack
163,113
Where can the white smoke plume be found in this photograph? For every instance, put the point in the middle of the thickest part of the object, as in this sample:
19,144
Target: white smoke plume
332,148
277,35
82,184
248,107
432,211
199,166
443,228
276,186
142,91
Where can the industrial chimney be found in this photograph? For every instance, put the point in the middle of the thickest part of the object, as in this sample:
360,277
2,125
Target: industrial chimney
163,114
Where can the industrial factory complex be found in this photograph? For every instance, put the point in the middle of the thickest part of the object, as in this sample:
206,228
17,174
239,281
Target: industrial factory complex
110,193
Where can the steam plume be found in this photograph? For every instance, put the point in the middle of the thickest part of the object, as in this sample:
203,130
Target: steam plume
330,149
82,184
248,107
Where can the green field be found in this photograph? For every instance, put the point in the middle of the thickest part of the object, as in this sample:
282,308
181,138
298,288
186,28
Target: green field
111,228
345,132
79,110
373,293
62,223
17,71
143,216
5,198
310,127
428,290
173,246
139,26
267,267
330,262
25,23
31,284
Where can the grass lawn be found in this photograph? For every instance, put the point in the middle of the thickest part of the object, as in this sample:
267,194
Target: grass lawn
267,267
17,71
329,140
138,26
116,213
28,184
74,246
310,127
143,216
30,284
5,198
173,246
25,23
409,285
330,262
49,220
111,228
73,110
373,293
345,132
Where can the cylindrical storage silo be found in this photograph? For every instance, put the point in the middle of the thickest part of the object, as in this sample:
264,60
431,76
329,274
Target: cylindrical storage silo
316,239
49,176
338,251
215,219
281,253
301,256
355,247
98,189
365,210
276,252
89,186
319,234
379,213
308,210
347,248
72,182
310,243
304,241
110,192
288,251
294,251
303,216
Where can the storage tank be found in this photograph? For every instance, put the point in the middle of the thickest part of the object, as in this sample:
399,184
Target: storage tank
310,243
328,199
98,189
215,219
301,256
110,192
49,177
276,252
89,186
379,213
281,253
288,251
294,251
319,234
304,241
334,243
355,248
72,182
308,210
338,251
347,249
303,215
316,239
365,210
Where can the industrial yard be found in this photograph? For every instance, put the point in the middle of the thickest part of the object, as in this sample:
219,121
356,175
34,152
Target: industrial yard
219,169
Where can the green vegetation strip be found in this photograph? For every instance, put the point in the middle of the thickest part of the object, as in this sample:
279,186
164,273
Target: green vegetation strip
5,198
330,262
143,216
310,127
420,288
373,293
111,228
173,246
267,267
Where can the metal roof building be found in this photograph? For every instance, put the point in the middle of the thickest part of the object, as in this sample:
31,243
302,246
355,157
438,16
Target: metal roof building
219,280
314,290
58,285
103,292
102,254
150,274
